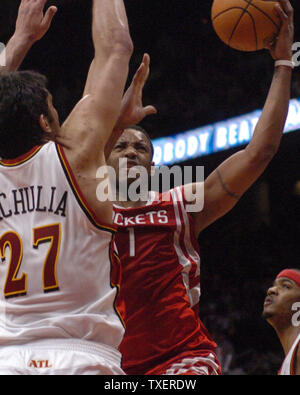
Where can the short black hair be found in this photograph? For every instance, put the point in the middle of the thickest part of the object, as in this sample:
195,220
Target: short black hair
142,130
23,98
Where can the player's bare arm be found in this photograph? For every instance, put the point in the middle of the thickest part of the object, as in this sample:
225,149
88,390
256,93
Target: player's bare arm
224,186
87,129
31,25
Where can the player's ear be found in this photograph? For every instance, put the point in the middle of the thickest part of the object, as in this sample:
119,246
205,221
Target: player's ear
44,124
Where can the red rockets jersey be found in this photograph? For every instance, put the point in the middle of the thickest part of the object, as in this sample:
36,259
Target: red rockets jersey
160,286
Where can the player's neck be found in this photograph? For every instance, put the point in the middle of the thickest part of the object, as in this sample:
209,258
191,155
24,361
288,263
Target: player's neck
287,336
131,204
126,200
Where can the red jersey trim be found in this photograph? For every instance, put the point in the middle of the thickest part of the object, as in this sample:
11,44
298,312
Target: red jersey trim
185,234
292,367
22,158
78,194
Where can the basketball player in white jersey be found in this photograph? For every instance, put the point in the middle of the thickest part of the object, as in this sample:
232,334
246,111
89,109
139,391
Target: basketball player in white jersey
281,310
156,242
57,313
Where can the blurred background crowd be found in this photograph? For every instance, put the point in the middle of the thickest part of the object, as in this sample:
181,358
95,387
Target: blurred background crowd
197,80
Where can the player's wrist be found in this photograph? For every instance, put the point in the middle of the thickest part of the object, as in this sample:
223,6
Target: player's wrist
118,126
284,62
122,123
22,39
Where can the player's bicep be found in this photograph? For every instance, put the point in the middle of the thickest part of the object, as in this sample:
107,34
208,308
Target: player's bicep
82,138
224,187
106,87
194,197
90,77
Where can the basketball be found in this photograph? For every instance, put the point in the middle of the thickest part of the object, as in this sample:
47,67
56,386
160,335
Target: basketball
245,25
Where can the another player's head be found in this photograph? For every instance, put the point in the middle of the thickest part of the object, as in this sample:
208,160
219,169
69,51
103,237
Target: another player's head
134,145
281,297
27,115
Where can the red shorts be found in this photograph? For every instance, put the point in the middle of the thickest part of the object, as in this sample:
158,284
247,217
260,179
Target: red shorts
191,364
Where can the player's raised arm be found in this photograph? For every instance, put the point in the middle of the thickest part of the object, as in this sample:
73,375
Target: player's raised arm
93,118
225,185
31,25
87,129
132,109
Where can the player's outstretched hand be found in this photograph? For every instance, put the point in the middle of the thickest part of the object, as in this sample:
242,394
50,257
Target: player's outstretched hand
281,48
132,109
32,23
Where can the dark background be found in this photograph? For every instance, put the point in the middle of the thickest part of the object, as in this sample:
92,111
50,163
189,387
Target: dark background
196,80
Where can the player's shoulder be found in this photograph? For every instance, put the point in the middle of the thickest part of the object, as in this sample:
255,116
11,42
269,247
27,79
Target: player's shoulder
184,194
156,199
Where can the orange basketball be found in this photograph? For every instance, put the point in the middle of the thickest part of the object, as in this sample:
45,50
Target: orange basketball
246,25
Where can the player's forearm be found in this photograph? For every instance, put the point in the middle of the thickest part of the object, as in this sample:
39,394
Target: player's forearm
16,51
111,142
110,27
117,132
269,129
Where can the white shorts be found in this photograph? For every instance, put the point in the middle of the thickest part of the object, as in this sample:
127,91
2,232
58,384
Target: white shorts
60,357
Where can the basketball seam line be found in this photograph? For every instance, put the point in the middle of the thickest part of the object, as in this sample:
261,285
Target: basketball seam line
228,9
238,21
263,12
254,28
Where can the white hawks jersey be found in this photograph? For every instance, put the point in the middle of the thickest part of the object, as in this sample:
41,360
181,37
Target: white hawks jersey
287,368
55,268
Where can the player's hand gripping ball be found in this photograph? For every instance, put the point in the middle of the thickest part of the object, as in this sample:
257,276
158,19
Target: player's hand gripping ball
246,25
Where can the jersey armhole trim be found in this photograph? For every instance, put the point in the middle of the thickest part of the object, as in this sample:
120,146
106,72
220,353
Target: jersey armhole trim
114,258
292,367
78,194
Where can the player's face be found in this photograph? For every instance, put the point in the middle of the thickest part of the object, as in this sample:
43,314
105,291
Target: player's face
134,146
279,301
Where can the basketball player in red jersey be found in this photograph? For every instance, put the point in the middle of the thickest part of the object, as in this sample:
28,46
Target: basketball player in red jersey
157,238
57,313
281,310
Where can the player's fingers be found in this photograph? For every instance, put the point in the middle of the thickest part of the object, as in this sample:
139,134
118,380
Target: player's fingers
141,70
138,79
40,4
142,73
270,44
150,110
280,12
146,59
49,15
287,7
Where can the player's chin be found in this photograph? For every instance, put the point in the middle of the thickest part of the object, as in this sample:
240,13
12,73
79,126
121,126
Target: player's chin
267,313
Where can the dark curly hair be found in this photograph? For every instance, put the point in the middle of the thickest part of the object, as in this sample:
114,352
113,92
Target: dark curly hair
23,98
